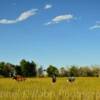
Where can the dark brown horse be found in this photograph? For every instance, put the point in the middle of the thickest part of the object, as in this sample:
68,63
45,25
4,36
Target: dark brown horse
19,78
54,78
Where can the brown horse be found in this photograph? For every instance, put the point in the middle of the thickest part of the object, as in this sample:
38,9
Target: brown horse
54,78
19,78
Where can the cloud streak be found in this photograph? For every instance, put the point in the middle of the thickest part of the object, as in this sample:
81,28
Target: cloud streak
23,16
96,26
60,18
48,6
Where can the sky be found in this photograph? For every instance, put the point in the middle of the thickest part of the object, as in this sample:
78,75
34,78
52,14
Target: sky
57,32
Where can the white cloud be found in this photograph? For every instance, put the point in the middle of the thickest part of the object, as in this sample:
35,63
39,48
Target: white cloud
25,15
48,6
60,18
96,26
6,21
48,23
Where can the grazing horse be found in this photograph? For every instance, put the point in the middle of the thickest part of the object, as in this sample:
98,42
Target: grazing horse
71,79
54,78
19,78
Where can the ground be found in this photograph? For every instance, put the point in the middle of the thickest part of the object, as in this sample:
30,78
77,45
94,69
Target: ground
44,89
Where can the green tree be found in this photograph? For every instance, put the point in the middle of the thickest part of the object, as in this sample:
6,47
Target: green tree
73,70
2,64
28,68
7,69
18,70
52,70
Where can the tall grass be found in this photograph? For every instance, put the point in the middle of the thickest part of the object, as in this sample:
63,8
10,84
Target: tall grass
44,89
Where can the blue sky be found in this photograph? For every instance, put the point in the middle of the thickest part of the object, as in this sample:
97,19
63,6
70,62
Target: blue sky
58,32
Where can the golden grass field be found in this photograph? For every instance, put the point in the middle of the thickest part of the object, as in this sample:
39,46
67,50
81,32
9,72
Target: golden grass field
44,89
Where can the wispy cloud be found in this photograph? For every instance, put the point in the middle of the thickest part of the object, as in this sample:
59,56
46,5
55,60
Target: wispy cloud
48,6
60,18
96,26
23,16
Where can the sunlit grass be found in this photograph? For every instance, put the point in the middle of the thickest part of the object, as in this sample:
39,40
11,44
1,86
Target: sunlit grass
44,89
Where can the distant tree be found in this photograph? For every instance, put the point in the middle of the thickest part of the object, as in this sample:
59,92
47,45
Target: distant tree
7,69
52,70
2,64
40,71
85,71
63,72
28,68
89,71
18,70
73,71
33,68
96,71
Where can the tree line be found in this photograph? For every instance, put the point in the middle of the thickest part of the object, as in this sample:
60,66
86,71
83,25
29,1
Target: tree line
30,69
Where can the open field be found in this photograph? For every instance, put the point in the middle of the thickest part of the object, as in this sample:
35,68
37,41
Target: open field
44,89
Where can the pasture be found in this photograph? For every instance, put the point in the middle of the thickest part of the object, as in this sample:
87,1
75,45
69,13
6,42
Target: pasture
44,89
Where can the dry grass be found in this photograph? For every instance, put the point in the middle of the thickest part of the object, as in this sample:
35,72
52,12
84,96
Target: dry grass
44,89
